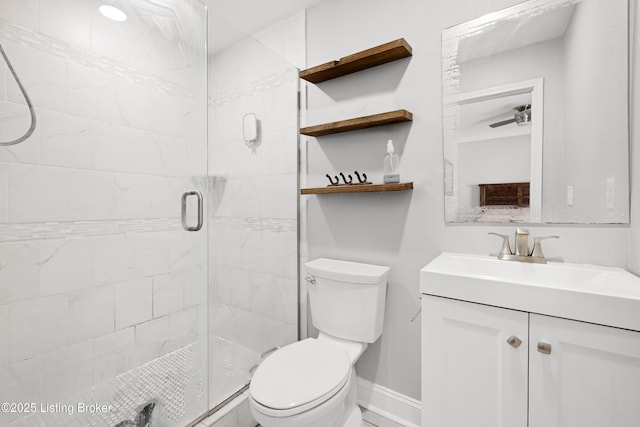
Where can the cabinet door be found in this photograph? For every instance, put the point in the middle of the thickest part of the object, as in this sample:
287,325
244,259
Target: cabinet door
590,378
471,376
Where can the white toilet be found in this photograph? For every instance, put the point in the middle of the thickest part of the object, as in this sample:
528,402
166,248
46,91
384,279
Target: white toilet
312,383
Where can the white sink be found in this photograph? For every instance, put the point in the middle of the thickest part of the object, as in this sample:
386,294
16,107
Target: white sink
604,295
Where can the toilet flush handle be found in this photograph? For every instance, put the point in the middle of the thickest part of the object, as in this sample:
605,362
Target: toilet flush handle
310,278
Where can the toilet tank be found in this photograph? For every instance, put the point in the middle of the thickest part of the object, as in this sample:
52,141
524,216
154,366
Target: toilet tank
347,299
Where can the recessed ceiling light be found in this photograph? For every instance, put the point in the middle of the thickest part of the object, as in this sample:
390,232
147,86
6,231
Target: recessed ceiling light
113,13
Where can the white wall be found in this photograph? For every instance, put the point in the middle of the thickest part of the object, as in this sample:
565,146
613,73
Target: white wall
491,162
402,230
595,130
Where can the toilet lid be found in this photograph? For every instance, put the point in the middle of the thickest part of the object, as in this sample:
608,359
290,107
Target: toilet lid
308,371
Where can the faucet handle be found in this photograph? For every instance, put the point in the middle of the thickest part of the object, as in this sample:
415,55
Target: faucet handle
537,247
506,249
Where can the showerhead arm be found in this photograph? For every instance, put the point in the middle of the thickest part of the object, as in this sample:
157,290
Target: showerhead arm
32,111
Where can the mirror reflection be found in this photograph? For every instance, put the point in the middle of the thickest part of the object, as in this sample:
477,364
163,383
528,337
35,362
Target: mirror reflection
535,114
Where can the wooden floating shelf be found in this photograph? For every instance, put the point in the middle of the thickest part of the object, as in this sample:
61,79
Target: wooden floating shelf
358,123
375,56
369,188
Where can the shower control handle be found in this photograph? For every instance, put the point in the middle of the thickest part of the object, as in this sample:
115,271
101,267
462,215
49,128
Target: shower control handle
185,225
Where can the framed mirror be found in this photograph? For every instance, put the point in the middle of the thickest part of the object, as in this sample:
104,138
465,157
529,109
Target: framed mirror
536,114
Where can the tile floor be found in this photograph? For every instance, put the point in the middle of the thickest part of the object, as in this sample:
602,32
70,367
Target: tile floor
238,414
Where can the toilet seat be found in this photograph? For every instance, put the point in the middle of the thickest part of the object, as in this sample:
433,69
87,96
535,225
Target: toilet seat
299,377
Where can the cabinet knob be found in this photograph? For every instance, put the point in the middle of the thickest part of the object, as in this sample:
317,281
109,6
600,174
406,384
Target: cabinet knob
544,348
514,341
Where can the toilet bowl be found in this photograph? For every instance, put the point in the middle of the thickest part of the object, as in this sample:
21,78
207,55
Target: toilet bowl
313,382
307,383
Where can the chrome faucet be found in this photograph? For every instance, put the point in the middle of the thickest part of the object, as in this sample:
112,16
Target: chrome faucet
522,252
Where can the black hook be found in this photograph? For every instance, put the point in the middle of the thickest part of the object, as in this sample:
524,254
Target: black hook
331,180
364,177
345,179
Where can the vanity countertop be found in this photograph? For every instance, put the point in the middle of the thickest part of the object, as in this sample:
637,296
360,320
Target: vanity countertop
603,295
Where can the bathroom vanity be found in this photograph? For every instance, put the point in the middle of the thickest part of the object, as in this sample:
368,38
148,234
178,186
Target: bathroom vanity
540,345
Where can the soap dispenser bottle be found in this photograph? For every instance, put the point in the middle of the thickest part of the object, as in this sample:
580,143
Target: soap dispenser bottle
391,165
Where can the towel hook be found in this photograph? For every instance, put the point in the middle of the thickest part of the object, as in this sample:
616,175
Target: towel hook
363,179
331,180
345,179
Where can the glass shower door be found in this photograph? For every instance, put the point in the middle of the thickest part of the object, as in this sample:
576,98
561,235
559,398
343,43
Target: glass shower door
253,216
103,292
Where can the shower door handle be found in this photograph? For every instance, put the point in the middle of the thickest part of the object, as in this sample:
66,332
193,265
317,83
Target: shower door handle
185,225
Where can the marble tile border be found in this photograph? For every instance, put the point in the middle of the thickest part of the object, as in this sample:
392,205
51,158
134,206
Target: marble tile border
278,225
21,232
261,85
87,58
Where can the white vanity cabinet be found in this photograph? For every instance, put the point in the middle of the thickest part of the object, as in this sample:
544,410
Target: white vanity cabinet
591,378
485,366
470,375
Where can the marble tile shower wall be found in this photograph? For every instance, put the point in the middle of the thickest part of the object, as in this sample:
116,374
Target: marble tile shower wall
253,213
96,275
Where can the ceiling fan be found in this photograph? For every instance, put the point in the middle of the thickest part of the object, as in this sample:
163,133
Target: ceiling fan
521,117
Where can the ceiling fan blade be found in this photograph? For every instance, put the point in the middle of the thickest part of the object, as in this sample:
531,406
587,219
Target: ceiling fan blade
502,123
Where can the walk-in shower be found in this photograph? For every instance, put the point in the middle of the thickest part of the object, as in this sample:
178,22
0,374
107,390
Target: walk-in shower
111,313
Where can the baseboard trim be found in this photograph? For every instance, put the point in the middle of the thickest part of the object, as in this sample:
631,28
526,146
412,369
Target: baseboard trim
388,403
